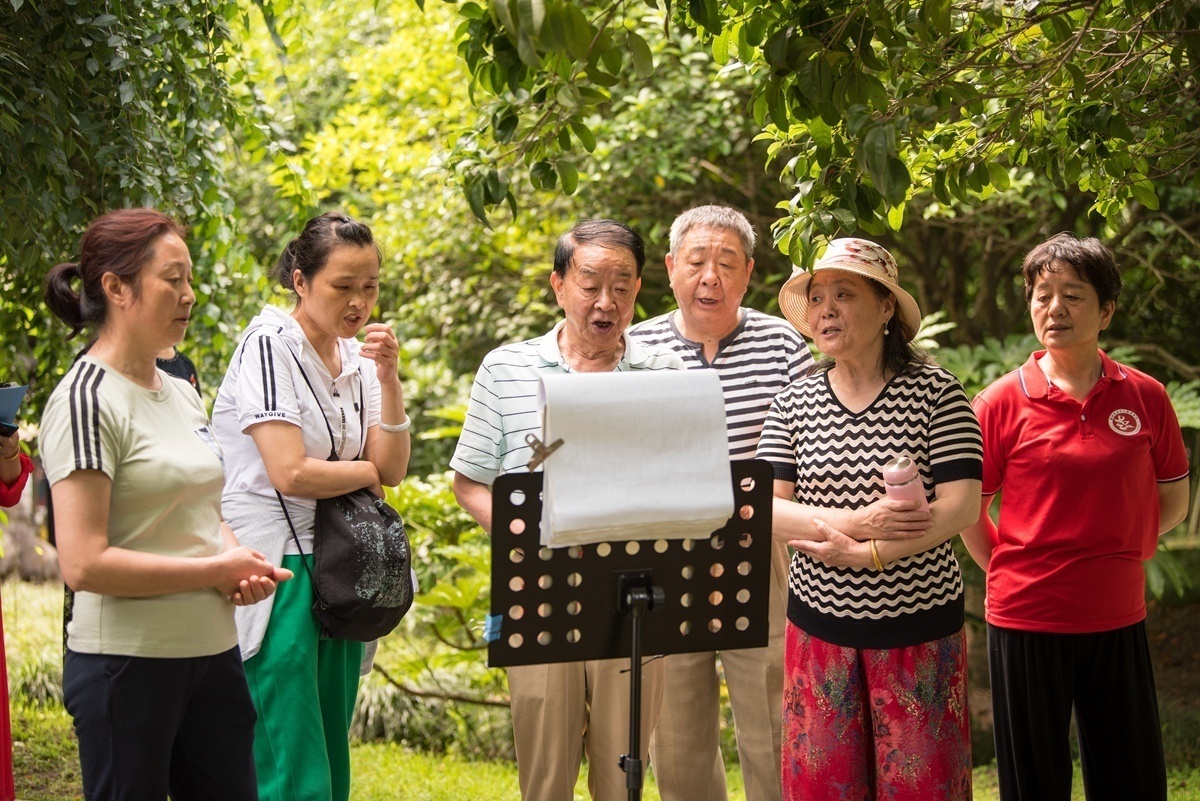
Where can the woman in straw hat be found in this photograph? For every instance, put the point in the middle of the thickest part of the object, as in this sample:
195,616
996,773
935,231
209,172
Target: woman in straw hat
875,697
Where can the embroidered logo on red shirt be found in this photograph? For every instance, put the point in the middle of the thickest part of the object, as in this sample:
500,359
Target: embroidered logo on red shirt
1124,422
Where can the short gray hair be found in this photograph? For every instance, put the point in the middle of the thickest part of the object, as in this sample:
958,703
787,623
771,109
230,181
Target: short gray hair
720,217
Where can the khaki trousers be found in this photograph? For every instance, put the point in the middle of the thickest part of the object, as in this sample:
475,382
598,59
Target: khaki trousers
562,711
685,749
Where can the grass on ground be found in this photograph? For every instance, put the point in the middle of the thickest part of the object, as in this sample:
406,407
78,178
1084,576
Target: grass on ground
47,768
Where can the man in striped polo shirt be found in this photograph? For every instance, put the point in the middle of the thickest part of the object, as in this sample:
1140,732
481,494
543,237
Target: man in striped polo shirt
597,274
756,356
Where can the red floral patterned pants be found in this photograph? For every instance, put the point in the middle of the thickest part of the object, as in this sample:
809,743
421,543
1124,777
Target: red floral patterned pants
870,725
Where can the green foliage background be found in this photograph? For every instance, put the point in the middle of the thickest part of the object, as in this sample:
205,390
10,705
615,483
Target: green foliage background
469,134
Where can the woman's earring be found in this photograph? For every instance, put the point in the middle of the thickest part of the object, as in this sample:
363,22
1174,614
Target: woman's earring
885,329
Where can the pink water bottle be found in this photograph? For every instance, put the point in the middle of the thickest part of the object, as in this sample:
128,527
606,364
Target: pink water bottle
903,483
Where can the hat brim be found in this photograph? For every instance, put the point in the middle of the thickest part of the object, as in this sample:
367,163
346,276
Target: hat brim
793,298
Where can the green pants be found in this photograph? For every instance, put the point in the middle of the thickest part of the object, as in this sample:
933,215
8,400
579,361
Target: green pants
303,689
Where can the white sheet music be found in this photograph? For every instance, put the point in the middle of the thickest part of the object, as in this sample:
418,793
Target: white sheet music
645,455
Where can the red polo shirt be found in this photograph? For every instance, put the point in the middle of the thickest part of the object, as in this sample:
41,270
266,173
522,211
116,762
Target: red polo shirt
1079,509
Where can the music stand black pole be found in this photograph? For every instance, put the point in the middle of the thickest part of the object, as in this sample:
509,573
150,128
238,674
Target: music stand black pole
558,604
637,600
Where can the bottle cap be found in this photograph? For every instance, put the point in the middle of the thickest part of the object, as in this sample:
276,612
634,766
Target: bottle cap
900,470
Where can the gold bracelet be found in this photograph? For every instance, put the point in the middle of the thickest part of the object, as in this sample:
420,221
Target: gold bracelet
875,556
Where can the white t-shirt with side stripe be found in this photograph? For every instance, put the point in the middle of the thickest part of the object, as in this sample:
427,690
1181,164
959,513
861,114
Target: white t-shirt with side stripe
503,406
264,382
834,457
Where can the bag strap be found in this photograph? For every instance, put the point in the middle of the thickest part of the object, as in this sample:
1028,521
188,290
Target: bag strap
332,444
361,404
296,539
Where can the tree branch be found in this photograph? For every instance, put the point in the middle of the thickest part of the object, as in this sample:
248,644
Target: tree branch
441,696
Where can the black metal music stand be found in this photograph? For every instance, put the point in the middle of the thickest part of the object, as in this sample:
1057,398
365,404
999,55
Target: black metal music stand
570,604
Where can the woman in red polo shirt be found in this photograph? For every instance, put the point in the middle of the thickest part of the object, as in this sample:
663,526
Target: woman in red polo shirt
1093,469
15,468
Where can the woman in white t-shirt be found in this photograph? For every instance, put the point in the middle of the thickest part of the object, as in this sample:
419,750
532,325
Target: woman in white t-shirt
298,387
152,677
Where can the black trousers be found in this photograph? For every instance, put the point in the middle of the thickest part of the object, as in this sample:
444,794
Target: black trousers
1107,678
148,727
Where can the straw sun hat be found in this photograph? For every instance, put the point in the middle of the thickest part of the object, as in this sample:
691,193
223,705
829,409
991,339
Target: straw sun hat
858,256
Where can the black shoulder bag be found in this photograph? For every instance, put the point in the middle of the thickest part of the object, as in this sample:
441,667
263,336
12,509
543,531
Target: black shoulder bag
362,562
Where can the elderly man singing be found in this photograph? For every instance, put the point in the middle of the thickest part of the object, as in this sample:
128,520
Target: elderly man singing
561,711
756,356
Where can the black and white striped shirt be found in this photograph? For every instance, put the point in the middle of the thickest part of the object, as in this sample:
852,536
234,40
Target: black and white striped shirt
755,363
834,457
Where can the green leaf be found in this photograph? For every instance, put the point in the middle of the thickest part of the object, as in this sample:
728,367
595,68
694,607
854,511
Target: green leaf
643,59
1143,192
776,50
815,79
720,47
846,220
104,21
937,14
610,54
874,152
821,133
472,11
824,221
596,76
569,177
568,95
502,15
977,177
125,90
898,181
584,135
707,15
1000,178
495,187
712,11
593,96
527,50
1056,29
542,175
530,16
474,192
777,106
756,28
554,28
579,32
505,126
992,11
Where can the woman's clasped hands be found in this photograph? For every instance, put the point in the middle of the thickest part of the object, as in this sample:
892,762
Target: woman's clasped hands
245,577
883,519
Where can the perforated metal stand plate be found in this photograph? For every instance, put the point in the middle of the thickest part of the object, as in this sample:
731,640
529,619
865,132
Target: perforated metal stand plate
561,604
